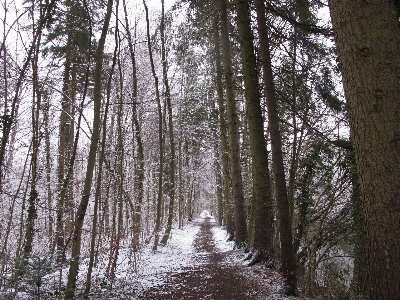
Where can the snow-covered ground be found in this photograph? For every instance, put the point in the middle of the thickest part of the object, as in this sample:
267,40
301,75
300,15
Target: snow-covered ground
154,267
220,238
176,255
136,274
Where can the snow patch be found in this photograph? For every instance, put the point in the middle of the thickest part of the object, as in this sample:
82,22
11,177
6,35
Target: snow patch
205,214
220,238
178,254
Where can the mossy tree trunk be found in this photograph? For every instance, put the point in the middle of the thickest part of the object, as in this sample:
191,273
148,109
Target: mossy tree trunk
33,194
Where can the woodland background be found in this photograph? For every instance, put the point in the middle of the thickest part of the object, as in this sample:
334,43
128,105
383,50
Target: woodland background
122,119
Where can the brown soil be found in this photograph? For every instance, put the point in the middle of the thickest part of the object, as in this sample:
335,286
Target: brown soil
213,275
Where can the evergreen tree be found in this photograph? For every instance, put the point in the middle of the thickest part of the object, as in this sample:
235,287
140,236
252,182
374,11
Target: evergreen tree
367,37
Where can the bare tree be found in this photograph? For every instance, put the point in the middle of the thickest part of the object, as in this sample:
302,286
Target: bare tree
170,130
81,212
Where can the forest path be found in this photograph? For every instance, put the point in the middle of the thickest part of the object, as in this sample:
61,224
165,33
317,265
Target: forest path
213,275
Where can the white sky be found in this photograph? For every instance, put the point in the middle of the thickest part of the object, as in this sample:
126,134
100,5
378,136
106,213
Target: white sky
157,3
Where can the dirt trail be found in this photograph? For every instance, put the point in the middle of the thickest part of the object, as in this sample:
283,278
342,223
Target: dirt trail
212,275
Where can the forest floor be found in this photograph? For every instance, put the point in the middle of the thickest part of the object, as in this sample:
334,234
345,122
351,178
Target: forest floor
196,263
217,272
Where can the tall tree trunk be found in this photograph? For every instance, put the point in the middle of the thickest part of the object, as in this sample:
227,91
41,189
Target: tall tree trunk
367,37
65,136
190,202
3,118
233,121
33,195
263,229
67,143
223,136
288,267
181,177
139,165
97,197
81,212
218,182
170,131
358,288
294,154
120,169
110,180
49,202
112,241
160,136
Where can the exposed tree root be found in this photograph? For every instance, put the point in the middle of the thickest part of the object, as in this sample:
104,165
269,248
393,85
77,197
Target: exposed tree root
256,258
248,256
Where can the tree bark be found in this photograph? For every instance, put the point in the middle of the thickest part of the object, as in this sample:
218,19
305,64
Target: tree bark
367,37
81,212
228,211
241,239
263,229
97,197
139,165
160,136
33,195
287,255
358,287
170,131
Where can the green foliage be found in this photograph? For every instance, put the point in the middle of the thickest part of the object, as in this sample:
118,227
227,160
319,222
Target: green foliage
71,30
332,285
344,144
327,91
304,12
324,217
37,281
305,200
